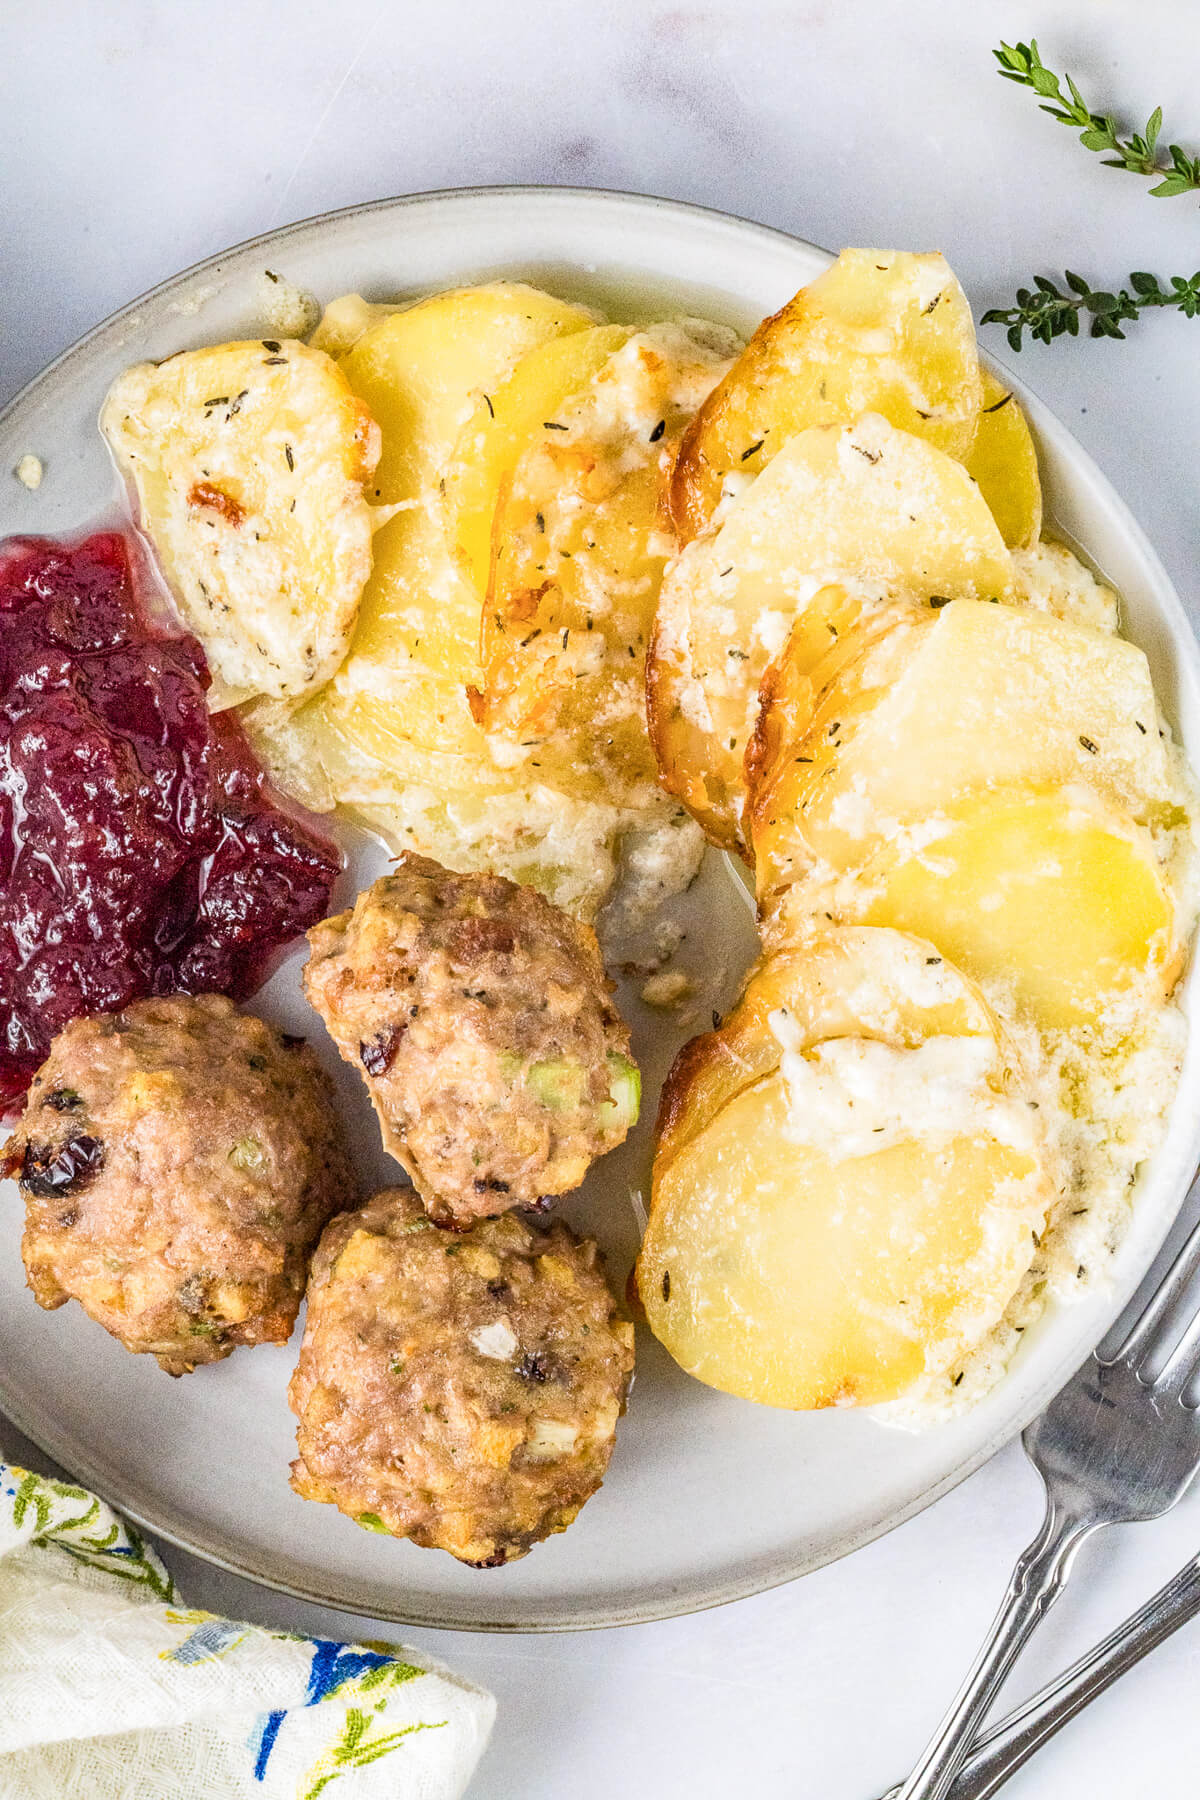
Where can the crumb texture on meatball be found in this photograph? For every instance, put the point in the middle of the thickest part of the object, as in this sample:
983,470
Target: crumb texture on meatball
480,1019
459,1390
178,1161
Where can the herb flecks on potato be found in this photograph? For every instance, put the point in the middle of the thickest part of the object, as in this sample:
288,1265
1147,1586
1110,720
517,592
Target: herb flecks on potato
865,507
850,1182
252,464
885,331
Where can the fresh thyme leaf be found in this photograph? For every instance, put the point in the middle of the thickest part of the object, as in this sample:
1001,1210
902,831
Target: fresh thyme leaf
1139,153
1048,312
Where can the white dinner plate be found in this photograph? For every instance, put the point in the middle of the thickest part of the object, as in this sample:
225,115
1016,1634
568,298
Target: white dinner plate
708,1498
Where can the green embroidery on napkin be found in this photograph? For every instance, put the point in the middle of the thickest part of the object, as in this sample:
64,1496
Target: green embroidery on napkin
356,1748
94,1535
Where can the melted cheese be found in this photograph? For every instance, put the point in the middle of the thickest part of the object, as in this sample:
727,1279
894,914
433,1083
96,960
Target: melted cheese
851,1097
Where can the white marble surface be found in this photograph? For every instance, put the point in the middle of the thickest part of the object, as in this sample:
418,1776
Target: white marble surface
138,137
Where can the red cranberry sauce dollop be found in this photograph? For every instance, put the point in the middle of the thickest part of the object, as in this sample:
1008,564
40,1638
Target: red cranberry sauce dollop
139,850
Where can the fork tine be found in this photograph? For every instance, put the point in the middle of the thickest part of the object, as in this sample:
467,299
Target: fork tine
1177,1371
1170,1289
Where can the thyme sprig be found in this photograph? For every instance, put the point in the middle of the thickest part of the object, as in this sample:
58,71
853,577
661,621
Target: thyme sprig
1139,153
1046,312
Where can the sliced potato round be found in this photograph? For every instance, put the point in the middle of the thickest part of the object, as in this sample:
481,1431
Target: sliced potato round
1048,894
579,545
788,770
872,510
796,685
415,653
881,331
851,981
849,1180
775,1271
500,428
249,461
981,697
1003,460
423,370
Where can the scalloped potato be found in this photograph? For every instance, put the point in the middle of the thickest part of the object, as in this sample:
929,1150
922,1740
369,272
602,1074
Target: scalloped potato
422,372
1003,460
987,697
579,544
249,461
393,736
422,368
1047,894
883,331
532,760
865,508
856,1213
480,473
774,1270
851,981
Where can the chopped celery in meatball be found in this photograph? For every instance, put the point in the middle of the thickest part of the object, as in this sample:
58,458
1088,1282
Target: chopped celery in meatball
480,1019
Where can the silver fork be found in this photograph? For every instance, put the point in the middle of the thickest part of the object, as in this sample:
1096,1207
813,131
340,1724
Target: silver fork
1008,1746
1115,1446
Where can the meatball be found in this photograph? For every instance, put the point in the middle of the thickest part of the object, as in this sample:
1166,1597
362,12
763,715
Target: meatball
479,1016
462,1391
178,1161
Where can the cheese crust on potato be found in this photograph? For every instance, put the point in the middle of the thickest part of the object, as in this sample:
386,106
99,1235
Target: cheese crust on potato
249,461
863,507
886,331
579,543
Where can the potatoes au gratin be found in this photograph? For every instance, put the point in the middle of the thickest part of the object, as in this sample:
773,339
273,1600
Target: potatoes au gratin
527,590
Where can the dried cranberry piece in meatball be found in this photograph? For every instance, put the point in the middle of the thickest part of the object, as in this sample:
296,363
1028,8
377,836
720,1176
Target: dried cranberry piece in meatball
459,1390
178,1161
479,1017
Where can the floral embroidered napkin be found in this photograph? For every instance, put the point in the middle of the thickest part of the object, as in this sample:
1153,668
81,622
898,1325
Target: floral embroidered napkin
112,1689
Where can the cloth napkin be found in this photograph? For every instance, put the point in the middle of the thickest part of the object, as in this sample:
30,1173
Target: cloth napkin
112,1689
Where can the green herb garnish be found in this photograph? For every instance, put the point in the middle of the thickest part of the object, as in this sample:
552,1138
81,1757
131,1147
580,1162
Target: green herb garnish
1138,154
1046,312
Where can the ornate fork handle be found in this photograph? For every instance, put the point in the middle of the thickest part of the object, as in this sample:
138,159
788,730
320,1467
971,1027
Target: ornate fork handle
1008,1746
1037,1581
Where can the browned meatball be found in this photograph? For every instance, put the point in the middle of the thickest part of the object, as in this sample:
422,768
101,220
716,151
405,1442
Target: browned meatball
460,1391
479,1016
178,1161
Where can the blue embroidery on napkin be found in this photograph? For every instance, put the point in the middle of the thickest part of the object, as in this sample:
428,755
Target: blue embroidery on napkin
266,1743
333,1665
206,1641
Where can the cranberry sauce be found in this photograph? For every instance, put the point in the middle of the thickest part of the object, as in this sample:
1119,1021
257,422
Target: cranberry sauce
139,850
